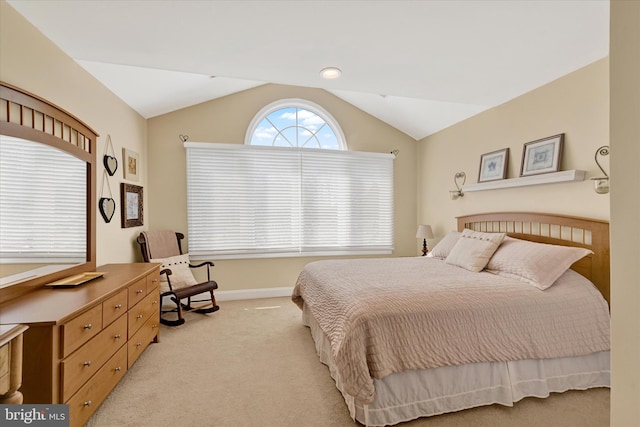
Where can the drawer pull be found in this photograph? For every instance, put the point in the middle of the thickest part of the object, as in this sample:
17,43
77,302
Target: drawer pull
139,291
139,344
154,326
154,302
88,363
118,369
139,316
118,306
117,336
87,403
154,281
88,326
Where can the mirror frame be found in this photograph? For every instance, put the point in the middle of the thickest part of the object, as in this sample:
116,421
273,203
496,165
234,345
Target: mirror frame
59,129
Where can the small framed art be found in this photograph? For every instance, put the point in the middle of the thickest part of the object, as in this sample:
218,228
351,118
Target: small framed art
131,205
542,156
493,165
131,164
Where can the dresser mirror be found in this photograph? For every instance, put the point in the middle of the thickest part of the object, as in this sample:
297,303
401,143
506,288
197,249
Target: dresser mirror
57,202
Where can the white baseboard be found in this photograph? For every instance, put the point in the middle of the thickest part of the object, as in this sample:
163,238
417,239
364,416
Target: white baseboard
253,294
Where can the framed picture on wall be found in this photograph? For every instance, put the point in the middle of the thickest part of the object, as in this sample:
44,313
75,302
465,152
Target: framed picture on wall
493,165
131,164
542,156
131,205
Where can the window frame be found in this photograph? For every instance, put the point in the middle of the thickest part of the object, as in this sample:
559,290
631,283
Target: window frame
297,103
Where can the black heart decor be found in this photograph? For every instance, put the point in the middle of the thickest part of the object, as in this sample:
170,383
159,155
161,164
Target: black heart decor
107,208
110,164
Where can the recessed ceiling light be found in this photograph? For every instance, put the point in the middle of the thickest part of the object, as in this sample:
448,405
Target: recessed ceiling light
330,73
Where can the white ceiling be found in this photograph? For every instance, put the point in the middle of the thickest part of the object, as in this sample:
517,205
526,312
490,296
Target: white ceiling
420,66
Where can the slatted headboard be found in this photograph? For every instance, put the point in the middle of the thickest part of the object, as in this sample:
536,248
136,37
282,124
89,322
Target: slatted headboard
557,230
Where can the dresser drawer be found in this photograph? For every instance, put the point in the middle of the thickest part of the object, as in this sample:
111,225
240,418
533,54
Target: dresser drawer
153,281
114,307
85,402
81,365
139,314
81,329
139,342
137,291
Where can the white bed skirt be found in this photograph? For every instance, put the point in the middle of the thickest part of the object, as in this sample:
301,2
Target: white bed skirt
409,395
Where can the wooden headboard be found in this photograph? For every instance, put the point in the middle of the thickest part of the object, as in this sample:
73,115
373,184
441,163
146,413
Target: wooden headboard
556,230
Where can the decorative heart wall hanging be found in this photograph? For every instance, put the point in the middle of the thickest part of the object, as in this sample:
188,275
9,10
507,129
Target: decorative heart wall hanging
107,208
106,205
110,162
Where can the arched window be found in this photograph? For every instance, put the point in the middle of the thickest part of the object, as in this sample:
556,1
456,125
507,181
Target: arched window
292,189
295,123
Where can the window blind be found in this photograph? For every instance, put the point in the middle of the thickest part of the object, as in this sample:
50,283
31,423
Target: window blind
247,201
42,200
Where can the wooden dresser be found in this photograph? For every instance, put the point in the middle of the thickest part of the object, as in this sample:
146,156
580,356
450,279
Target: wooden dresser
11,363
81,341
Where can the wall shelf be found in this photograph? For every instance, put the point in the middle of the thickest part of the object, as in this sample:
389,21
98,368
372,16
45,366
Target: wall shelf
523,181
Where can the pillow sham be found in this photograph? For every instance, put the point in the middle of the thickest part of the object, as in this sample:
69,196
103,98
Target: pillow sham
442,249
538,264
473,249
181,275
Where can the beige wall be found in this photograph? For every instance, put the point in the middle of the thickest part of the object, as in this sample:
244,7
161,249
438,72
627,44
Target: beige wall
226,120
576,105
625,212
32,62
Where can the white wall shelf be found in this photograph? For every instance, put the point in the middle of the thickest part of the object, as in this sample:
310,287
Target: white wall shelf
523,181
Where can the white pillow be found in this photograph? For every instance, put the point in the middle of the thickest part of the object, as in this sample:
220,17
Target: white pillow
538,264
181,276
444,246
473,249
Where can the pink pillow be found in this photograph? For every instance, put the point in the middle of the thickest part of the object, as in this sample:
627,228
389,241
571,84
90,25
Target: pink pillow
539,264
444,246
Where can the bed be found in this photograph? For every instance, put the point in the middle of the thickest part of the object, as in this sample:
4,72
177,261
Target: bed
510,305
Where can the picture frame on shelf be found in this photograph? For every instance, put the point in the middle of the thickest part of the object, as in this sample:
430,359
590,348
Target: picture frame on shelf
542,155
493,165
131,164
131,205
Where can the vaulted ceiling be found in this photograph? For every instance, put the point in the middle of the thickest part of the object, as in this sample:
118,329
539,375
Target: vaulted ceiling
420,66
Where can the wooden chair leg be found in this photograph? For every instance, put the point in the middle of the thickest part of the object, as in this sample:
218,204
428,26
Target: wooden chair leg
180,320
214,306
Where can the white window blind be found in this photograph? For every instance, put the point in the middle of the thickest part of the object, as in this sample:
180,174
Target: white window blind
246,201
42,201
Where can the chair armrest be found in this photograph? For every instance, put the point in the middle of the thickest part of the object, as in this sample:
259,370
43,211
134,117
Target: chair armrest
168,272
209,264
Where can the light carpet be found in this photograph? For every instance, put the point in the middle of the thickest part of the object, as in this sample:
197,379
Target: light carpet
253,363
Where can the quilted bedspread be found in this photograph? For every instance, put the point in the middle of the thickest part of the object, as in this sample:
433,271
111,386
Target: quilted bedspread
389,315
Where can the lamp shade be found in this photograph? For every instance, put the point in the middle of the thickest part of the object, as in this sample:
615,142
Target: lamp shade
424,232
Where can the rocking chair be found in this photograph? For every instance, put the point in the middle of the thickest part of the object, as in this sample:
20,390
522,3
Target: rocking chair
176,280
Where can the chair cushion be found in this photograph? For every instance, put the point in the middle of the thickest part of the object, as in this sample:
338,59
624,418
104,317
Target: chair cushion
181,276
